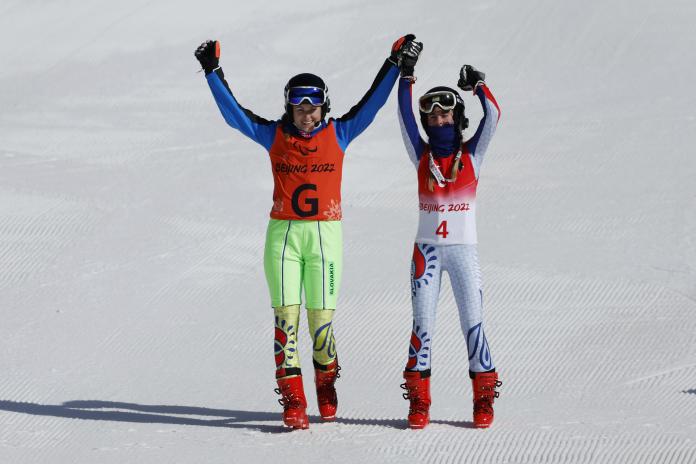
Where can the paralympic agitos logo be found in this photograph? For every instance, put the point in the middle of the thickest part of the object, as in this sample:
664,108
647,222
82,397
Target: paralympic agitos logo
304,150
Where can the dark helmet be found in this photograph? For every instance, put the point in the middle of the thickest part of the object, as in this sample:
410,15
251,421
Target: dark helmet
307,81
460,120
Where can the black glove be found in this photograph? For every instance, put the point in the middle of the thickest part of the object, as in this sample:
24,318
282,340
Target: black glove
408,56
470,78
398,46
208,54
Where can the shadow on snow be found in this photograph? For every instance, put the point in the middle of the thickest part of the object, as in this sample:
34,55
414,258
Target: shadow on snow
163,414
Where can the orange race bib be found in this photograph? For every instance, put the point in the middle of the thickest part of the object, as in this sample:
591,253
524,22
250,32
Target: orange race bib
307,176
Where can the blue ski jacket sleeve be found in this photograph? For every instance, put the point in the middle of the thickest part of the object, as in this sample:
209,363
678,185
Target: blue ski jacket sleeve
255,127
409,127
355,121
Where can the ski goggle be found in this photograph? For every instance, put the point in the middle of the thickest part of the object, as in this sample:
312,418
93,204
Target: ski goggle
444,99
315,96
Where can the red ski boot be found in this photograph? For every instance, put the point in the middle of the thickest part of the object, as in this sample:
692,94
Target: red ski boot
325,378
293,401
418,392
484,384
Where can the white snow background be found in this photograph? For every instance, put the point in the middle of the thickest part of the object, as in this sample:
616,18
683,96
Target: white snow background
136,324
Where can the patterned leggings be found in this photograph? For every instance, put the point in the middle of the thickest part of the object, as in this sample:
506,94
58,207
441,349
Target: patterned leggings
461,263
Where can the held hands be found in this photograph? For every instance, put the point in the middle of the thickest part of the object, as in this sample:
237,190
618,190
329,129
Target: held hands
470,78
405,52
208,55
396,47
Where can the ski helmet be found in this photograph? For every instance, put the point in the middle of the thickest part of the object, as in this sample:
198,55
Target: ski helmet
460,120
306,88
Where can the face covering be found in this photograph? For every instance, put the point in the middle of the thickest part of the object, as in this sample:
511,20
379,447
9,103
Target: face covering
443,140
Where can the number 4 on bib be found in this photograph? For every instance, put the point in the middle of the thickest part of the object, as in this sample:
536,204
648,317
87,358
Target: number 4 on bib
442,229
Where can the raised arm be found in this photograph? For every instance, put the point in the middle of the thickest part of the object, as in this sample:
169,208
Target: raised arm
413,142
471,79
355,121
255,127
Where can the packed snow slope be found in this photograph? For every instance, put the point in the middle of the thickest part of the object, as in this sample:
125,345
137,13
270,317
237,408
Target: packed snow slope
136,324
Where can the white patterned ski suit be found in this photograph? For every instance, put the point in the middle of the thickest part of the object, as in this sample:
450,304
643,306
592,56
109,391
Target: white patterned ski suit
446,239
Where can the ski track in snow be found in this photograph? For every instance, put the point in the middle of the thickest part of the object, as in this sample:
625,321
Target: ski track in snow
136,321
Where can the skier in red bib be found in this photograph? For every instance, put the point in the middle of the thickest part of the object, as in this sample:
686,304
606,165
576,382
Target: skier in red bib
448,171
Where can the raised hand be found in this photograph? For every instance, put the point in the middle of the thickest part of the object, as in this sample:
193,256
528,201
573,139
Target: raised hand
398,45
408,57
208,55
470,78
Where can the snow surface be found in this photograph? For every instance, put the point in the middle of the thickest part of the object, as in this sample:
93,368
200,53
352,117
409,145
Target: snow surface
136,324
